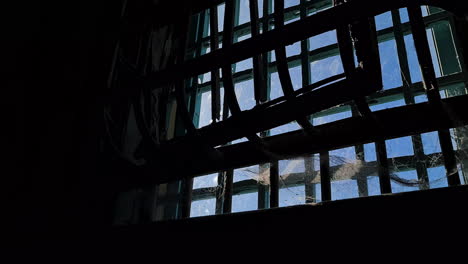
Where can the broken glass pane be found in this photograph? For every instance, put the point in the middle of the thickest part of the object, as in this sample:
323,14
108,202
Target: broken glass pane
345,169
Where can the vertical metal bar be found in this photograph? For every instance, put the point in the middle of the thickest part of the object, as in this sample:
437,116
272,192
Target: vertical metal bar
309,178
227,176
267,55
215,86
179,84
325,182
282,64
459,27
421,168
259,82
198,50
274,184
347,57
305,67
263,187
187,184
186,197
220,192
383,171
430,84
227,205
361,180
309,162
230,95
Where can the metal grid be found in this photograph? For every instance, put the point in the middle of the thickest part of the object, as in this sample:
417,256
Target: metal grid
430,84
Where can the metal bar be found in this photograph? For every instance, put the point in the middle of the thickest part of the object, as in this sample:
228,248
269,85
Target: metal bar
227,205
289,34
396,122
297,179
310,176
186,203
309,162
219,192
331,50
383,34
230,94
263,188
259,81
432,89
181,98
232,129
325,183
224,201
383,171
229,90
215,87
274,184
281,60
409,97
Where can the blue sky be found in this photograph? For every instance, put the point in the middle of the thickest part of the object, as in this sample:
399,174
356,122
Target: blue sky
320,69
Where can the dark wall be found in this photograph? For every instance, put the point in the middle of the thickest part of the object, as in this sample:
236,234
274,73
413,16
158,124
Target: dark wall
57,62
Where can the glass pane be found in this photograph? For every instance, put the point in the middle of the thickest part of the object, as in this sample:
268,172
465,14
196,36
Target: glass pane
203,207
244,12
390,102
285,128
399,147
244,202
383,21
289,196
322,40
275,86
245,94
437,177
344,170
327,117
210,180
404,181
296,77
430,143
390,65
324,68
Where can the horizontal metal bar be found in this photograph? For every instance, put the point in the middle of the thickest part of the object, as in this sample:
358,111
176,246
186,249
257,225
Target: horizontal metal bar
319,23
331,50
366,169
395,122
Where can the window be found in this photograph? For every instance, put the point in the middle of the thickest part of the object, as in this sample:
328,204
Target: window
414,161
